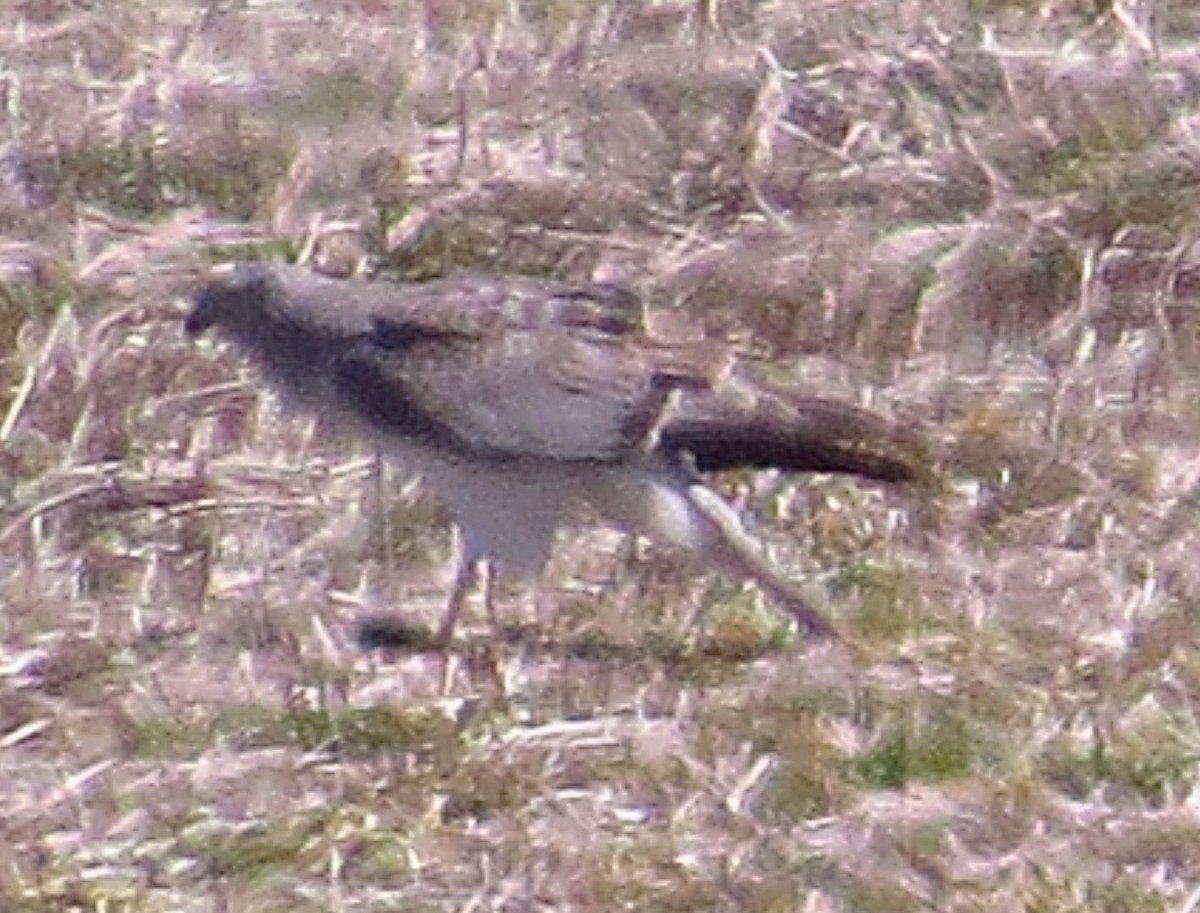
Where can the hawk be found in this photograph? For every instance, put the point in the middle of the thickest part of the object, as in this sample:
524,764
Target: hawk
528,405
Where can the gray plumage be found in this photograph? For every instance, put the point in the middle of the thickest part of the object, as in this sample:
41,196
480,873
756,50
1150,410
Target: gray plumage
528,405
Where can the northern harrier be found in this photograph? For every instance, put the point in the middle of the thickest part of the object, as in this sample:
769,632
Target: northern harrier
528,405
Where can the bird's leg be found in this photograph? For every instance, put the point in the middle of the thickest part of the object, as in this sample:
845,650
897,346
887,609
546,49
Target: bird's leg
546,604
728,546
489,594
464,573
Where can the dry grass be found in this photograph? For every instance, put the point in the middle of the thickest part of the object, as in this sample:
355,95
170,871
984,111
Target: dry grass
980,216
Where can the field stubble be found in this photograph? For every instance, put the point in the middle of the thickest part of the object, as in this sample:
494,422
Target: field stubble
980,217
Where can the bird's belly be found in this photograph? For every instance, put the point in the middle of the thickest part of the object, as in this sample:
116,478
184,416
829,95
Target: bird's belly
510,512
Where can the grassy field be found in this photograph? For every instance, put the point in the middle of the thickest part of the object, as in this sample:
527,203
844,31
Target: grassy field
978,216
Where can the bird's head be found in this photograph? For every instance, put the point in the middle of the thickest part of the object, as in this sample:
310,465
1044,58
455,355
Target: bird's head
237,299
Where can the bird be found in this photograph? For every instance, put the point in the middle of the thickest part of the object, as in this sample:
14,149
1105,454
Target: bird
530,405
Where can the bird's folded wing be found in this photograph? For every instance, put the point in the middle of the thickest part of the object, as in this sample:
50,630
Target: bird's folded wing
471,305
573,381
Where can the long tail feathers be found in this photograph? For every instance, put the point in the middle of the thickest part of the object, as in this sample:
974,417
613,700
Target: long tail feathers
738,425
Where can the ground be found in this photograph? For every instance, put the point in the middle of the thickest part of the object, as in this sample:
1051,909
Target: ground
977,217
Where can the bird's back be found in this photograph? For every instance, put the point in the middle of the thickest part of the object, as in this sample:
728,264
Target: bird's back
494,368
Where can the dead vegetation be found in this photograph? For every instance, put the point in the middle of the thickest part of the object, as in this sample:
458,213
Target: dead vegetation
980,216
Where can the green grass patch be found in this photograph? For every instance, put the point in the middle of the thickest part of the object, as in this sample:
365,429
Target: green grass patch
926,751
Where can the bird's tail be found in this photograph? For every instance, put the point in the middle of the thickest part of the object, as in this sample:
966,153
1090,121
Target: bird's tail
737,424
